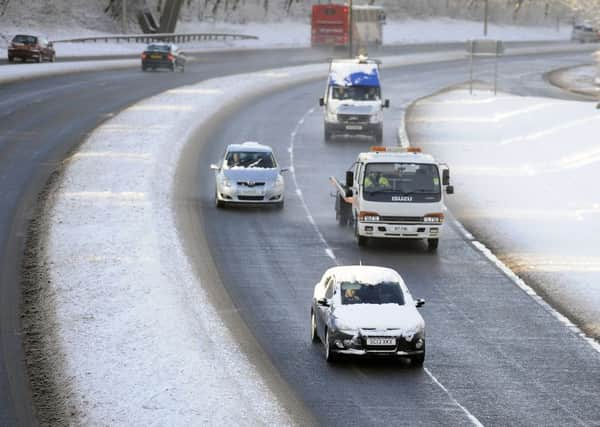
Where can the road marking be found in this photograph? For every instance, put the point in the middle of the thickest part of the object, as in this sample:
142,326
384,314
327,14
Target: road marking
329,252
471,417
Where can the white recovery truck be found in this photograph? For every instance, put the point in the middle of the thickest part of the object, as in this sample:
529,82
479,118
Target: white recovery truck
394,193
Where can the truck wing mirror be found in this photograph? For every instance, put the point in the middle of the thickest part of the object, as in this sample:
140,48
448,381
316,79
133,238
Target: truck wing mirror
349,179
321,102
446,177
419,303
386,104
214,167
449,189
349,192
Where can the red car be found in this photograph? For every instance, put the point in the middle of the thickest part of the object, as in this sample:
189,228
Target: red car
27,47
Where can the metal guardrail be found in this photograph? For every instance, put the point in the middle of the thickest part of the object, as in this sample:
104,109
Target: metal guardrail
168,37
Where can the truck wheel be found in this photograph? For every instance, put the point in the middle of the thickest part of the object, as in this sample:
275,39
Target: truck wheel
361,240
432,244
11,59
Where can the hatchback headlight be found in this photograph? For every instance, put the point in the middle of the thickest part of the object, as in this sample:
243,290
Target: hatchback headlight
279,182
226,183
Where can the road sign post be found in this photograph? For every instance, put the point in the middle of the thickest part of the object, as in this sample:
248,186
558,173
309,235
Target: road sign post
484,48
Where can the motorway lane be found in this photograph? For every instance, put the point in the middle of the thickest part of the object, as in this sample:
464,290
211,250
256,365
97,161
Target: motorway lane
41,121
501,356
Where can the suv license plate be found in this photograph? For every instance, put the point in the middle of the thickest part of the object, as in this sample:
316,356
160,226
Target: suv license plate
381,341
353,127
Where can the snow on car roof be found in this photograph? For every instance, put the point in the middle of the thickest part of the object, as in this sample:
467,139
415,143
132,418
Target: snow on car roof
368,275
249,146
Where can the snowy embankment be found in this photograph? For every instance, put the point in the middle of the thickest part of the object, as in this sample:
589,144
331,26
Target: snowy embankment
140,342
582,79
525,170
290,34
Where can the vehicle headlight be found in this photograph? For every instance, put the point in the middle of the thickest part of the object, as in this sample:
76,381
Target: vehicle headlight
368,216
226,183
279,182
434,218
331,116
377,117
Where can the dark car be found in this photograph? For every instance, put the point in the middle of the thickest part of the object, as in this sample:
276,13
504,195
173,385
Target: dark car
163,55
27,47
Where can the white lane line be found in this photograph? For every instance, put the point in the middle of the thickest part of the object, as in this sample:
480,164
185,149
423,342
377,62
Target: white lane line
331,254
471,417
328,251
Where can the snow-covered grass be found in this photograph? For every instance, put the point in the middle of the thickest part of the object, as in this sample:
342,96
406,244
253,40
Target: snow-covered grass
525,171
288,34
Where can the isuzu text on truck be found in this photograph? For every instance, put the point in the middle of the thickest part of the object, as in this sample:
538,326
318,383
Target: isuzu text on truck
352,101
394,193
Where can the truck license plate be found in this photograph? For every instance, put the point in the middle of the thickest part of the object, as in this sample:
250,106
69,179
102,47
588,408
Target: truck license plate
381,341
354,127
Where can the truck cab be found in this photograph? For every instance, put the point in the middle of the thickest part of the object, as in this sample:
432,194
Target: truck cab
395,193
353,102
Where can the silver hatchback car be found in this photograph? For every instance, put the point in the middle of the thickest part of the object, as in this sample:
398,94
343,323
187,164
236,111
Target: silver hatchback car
249,174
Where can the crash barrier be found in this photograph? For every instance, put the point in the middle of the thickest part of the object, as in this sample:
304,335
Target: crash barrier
166,37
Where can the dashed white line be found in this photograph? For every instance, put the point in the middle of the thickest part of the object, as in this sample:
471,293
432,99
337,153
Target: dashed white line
329,252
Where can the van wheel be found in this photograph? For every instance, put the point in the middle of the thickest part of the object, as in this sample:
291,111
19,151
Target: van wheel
11,59
432,244
327,134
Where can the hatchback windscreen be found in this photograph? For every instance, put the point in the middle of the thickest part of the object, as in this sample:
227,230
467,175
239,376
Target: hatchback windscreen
25,39
356,93
382,293
249,159
401,182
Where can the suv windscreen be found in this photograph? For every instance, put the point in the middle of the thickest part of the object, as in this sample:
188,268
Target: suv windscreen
250,159
25,39
382,293
356,93
401,182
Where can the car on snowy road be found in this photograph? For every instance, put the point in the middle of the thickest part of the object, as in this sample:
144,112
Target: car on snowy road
249,174
28,47
367,311
163,55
